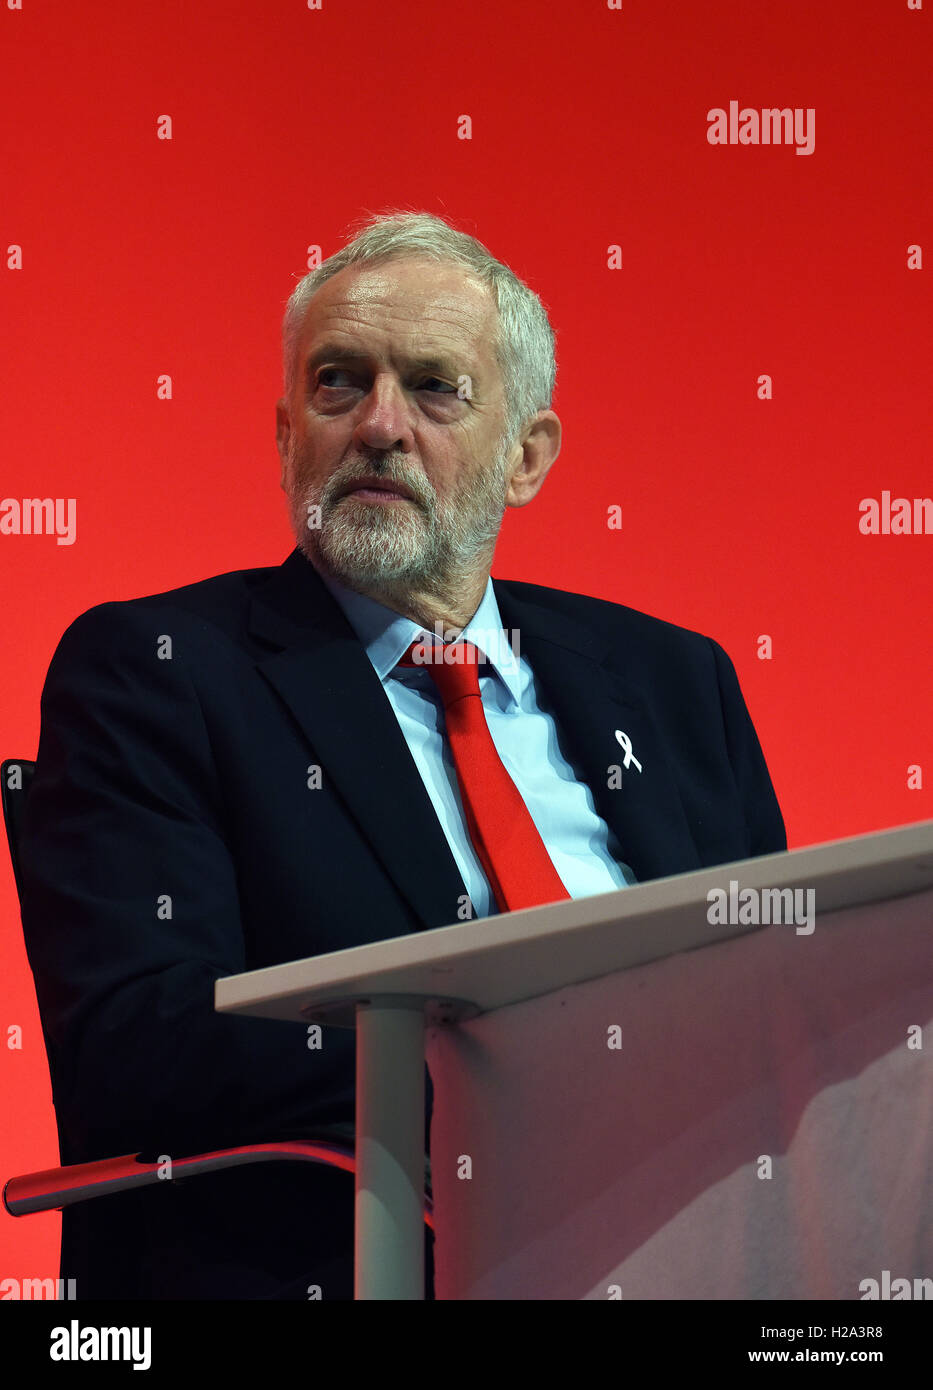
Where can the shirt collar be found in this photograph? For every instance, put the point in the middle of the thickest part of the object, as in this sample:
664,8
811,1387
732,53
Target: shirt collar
387,635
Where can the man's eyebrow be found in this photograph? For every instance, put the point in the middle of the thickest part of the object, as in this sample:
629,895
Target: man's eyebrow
333,352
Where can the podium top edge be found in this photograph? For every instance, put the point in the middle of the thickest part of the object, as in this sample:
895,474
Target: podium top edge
857,870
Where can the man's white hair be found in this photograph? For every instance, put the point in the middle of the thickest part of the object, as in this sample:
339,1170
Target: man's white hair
525,340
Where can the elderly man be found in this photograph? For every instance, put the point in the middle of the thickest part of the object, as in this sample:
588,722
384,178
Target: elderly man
372,739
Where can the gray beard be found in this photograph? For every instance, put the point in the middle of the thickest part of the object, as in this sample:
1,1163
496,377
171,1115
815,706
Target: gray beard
409,545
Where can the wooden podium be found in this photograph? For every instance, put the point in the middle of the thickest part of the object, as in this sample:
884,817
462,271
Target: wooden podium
389,990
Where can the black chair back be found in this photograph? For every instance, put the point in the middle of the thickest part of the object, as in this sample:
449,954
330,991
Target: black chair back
15,780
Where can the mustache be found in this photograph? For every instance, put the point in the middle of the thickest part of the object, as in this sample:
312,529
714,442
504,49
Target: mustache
388,471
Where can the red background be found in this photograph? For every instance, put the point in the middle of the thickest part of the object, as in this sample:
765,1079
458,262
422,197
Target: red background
740,516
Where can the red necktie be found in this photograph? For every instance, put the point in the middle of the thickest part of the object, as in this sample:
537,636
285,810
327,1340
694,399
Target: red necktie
504,835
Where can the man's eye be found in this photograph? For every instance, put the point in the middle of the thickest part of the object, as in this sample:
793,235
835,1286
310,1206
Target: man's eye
444,385
330,372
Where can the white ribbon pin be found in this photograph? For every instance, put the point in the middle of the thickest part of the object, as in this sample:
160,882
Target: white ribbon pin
628,755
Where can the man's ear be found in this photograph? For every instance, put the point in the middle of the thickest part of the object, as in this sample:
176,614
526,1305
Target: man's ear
534,454
283,430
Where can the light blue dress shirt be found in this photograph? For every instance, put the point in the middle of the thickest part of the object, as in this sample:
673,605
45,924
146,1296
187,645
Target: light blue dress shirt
584,850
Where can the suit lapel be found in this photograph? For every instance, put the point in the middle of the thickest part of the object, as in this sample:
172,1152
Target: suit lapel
321,671
590,702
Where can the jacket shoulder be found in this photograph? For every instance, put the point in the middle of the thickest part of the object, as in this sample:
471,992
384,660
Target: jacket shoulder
218,591
212,608
605,616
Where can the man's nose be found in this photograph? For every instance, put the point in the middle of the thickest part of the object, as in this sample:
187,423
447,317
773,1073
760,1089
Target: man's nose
385,416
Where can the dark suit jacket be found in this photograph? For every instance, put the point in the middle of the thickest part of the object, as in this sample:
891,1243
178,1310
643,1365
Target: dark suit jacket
171,837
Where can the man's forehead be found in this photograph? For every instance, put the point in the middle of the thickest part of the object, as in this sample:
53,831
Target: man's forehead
439,301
